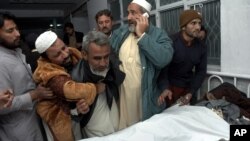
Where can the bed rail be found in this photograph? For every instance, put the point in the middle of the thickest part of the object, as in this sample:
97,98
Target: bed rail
219,75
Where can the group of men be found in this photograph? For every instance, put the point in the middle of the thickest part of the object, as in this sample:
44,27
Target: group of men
117,79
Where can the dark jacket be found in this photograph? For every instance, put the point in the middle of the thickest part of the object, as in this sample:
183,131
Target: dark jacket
82,73
79,37
188,67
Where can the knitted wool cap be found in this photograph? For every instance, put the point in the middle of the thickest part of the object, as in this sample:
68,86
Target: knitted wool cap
143,3
188,15
45,40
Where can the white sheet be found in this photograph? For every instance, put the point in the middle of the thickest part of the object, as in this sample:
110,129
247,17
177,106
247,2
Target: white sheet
185,123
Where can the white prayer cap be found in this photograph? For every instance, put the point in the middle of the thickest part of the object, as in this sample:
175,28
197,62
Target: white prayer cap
45,40
143,3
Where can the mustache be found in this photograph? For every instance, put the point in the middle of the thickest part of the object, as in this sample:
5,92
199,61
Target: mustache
67,60
131,22
18,39
103,68
105,28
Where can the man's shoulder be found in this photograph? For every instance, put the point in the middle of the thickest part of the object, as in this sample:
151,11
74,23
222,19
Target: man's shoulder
78,71
153,30
46,70
175,36
79,34
122,28
201,44
44,65
7,57
118,34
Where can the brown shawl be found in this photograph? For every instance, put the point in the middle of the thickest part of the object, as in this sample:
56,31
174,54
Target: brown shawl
55,112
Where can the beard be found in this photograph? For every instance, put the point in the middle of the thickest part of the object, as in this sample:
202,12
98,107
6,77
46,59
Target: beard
106,31
131,28
11,46
68,64
192,34
99,73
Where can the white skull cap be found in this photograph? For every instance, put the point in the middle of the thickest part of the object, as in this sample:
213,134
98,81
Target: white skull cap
143,3
45,40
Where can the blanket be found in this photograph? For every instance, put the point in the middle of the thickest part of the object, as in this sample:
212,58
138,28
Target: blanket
184,123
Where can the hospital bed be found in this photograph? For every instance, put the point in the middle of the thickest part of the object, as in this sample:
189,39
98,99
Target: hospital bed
177,123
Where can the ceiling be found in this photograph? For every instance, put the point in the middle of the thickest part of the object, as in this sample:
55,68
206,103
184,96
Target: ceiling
39,4
60,7
39,14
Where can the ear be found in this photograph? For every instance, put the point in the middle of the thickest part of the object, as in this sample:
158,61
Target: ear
183,28
84,55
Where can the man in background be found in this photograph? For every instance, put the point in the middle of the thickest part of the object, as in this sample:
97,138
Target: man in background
104,21
71,37
143,49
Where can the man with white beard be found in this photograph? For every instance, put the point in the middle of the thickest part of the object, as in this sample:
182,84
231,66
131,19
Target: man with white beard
143,49
99,65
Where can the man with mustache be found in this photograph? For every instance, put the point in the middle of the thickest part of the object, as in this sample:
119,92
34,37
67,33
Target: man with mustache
187,70
18,122
104,21
52,71
143,49
100,65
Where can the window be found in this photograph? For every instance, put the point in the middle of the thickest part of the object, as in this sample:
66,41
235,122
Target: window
211,20
170,20
152,19
152,2
165,14
164,2
115,9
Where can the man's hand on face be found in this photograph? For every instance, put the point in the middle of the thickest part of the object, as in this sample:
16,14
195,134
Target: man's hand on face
141,25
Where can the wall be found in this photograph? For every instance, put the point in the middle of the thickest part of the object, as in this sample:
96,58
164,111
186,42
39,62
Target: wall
93,7
235,36
235,45
81,24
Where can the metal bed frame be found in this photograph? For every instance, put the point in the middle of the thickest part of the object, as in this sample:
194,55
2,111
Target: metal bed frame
219,75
